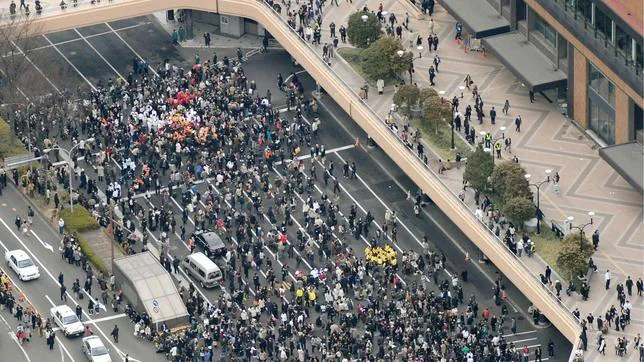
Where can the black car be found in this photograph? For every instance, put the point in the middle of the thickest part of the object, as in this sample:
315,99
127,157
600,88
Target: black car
211,243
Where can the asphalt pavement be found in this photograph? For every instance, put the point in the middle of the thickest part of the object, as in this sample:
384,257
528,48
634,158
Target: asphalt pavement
83,57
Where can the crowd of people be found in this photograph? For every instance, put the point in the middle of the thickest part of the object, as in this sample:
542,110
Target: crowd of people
209,123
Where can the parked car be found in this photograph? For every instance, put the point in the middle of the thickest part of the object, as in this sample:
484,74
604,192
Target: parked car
211,243
67,321
95,350
22,264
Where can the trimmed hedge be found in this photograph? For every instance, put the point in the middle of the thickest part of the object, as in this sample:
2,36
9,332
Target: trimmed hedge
87,249
80,220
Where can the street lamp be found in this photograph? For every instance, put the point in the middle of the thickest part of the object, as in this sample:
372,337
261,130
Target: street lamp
461,88
494,140
364,18
538,186
581,228
420,51
71,168
400,53
442,93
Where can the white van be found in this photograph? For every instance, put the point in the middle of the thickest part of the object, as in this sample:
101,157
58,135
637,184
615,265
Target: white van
202,269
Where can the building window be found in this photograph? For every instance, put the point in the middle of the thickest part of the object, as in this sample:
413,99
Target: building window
603,24
602,122
623,42
639,57
601,85
548,33
585,9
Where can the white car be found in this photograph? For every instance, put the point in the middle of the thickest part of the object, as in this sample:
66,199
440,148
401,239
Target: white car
22,264
67,321
95,350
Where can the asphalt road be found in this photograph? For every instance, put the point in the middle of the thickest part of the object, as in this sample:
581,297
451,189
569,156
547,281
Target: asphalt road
85,56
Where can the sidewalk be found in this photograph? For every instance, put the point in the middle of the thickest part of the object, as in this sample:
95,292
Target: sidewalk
548,141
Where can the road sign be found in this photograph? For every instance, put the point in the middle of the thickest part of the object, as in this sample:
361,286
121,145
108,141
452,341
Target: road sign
155,303
156,309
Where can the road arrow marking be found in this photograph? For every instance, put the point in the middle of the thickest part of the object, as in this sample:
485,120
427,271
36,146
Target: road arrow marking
43,243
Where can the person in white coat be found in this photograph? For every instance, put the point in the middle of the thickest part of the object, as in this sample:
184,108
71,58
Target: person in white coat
380,84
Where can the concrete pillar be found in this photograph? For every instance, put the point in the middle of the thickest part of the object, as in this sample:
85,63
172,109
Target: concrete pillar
513,14
231,25
188,23
624,128
529,20
260,30
580,89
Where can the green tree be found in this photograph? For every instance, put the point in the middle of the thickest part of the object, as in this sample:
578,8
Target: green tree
479,167
437,111
406,97
363,33
518,210
426,94
381,60
508,181
573,259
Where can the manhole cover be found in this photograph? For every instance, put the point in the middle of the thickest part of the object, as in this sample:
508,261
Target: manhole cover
150,30
72,53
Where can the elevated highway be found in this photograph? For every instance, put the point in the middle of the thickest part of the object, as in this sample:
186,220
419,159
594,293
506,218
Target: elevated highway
54,19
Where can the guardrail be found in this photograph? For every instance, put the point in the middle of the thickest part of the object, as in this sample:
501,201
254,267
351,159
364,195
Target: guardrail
359,111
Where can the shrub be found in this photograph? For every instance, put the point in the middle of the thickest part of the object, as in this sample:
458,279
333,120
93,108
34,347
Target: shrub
518,210
363,33
437,111
479,167
79,221
573,258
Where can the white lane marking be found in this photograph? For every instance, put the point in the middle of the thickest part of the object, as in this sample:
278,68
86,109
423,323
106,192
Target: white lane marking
296,73
42,265
62,355
100,55
109,318
69,62
429,215
524,340
45,244
37,68
13,336
519,334
132,49
333,150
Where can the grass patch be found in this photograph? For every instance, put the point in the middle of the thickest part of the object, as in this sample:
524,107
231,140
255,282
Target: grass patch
353,56
548,247
441,141
10,145
79,221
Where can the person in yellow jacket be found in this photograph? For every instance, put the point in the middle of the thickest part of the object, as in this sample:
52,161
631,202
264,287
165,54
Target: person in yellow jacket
311,300
299,295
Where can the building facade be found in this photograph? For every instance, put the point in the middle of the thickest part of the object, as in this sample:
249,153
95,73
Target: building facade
592,53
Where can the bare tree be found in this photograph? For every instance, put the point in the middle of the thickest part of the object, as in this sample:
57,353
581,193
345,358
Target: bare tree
17,35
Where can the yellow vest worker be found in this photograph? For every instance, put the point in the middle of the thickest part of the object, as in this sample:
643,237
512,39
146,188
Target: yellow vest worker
497,146
299,293
311,296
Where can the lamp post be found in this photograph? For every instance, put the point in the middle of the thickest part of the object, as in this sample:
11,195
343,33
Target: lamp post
581,228
461,88
71,168
493,142
442,94
364,18
538,186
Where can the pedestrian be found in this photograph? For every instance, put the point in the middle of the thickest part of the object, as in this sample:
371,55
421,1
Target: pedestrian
115,333
640,287
607,279
63,292
531,93
61,226
506,107
629,285
51,338
517,123
595,239
548,274
551,348
493,115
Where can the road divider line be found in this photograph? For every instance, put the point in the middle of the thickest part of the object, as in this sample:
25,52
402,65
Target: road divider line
69,62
